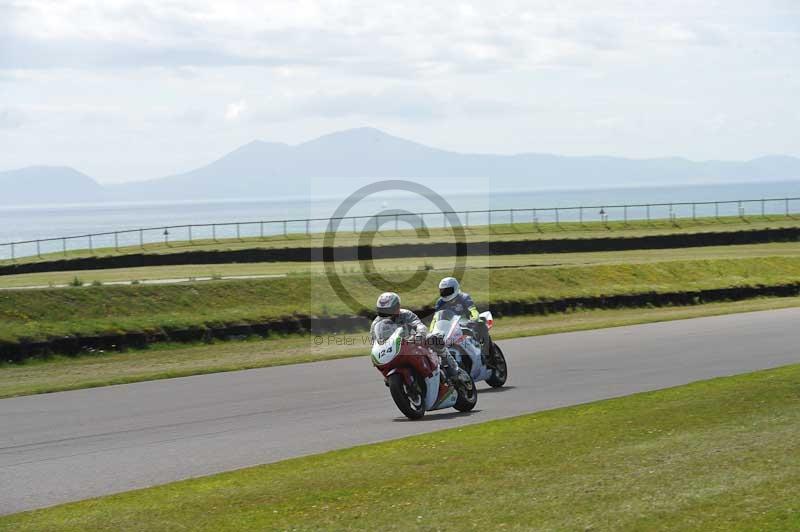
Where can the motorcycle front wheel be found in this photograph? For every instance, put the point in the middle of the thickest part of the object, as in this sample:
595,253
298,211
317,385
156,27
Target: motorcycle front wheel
467,393
408,399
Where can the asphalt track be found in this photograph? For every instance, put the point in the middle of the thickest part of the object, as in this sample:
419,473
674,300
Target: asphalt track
73,445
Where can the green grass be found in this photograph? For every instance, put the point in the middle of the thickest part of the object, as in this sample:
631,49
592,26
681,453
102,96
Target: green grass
518,231
190,271
164,361
46,313
715,455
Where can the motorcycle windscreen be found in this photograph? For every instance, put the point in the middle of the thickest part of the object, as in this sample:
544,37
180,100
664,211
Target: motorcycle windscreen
447,326
386,345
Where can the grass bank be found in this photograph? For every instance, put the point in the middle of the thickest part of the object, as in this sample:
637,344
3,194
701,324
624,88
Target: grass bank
714,455
216,271
179,360
48,313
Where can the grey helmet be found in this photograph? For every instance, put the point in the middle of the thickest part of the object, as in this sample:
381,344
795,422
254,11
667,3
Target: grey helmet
449,288
388,305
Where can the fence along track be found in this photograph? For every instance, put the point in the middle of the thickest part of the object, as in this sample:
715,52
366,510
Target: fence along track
396,251
137,240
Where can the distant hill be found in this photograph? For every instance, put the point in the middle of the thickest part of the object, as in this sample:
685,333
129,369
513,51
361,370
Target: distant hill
48,184
338,163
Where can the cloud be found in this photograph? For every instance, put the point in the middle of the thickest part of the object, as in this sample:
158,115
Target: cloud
392,102
234,110
397,102
507,76
492,107
405,40
11,118
191,117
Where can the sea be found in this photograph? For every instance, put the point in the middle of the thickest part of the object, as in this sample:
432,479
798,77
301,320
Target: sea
67,226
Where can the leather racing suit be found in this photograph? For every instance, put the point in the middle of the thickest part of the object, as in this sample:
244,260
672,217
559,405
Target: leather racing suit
413,326
464,306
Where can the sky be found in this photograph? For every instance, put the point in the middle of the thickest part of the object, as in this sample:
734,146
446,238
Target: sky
126,90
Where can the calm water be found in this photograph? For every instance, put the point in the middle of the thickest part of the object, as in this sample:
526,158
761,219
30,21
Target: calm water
37,222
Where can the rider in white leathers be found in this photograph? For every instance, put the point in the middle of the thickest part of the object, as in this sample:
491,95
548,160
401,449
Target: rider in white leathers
388,307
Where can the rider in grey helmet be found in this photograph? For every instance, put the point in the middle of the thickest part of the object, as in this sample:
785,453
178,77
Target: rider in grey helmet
388,308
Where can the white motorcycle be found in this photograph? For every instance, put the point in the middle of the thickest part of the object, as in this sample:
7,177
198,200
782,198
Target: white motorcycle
466,349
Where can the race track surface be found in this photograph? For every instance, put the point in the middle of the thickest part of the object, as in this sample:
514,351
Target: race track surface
73,445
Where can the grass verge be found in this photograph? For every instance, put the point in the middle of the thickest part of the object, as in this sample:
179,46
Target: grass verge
170,360
714,455
47,313
215,271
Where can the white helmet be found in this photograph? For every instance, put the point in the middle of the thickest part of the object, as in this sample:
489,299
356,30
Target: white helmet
449,288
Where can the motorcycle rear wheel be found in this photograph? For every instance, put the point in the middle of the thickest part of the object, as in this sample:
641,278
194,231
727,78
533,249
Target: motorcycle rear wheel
409,401
499,368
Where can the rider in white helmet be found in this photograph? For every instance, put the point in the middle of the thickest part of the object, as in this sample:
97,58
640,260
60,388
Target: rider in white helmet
452,298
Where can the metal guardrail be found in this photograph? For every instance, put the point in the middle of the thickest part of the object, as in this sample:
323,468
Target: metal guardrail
194,234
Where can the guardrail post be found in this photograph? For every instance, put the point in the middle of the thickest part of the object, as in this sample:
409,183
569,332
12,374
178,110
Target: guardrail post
741,210
214,232
396,222
141,239
694,212
308,228
762,208
466,221
716,210
625,215
38,249
64,246
91,245
261,229
490,220
511,213
12,252
284,228
558,222
116,241
580,216
354,224
786,201
238,232
190,234
648,213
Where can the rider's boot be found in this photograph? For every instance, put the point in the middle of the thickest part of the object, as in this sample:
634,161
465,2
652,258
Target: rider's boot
484,339
450,367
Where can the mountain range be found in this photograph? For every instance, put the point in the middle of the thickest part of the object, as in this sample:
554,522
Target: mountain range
337,163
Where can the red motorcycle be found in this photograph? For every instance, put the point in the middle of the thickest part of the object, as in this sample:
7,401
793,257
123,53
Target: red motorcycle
412,371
